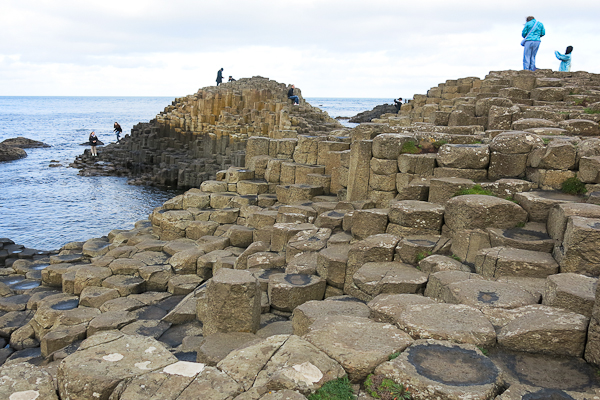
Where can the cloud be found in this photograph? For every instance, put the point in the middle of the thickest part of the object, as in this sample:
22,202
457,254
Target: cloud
328,47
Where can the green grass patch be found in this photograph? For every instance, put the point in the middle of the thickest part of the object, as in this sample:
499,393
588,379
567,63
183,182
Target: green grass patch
457,258
439,143
579,102
410,148
380,387
421,256
590,111
521,224
393,355
339,389
573,186
484,351
477,189
546,140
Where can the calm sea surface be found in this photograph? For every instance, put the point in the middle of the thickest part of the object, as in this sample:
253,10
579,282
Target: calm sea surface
43,207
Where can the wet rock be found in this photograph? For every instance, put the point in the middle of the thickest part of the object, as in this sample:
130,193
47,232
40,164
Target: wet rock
9,153
439,369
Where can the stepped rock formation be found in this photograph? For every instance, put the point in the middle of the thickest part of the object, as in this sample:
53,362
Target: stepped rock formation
431,248
202,133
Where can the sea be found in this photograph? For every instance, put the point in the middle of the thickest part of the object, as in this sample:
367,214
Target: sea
43,207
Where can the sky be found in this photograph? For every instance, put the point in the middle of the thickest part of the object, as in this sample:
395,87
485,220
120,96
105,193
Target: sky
327,48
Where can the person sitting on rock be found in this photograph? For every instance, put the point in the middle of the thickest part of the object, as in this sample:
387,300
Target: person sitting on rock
565,64
231,79
118,130
292,96
398,104
219,76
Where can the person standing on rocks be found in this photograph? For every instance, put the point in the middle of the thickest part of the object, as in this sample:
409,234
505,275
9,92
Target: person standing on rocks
565,64
219,76
292,96
93,143
532,33
398,104
118,130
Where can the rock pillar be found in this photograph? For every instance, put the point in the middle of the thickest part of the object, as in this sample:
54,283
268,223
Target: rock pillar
233,302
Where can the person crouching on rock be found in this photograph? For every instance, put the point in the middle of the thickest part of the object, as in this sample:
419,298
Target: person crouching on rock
398,104
231,79
118,130
93,143
292,96
565,59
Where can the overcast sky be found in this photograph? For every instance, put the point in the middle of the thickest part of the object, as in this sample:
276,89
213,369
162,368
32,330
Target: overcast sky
328,48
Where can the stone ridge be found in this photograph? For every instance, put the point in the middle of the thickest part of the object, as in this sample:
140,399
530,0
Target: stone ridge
199,134
436,255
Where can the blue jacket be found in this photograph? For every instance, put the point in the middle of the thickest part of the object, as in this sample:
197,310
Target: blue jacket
565,59
536,34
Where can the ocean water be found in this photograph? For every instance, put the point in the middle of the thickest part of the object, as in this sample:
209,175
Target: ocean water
43,207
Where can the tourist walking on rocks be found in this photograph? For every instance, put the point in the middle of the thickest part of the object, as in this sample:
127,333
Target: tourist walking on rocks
532,33
118,130
398,104
565,59
292,96
93,143
219,76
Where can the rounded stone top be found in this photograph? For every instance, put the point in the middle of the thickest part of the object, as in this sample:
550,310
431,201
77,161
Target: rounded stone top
515,142
233,276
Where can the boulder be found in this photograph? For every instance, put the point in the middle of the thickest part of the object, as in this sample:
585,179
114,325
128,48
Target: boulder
480,211
9,153
288,291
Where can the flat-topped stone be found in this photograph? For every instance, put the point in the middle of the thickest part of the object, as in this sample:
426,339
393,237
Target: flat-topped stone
482,294
432,369
454,322
543,329
531,237
538,203
579,252
572,292
305,314
358,344
288,291
480,211
389,277
501,261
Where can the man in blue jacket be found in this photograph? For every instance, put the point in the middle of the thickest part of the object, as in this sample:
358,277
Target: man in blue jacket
532,32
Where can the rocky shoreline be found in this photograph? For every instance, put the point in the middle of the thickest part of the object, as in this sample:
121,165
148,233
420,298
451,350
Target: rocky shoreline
450,250
12,149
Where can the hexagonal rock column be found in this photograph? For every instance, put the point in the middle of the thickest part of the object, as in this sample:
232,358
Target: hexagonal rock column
288,291
464,156
305,314
389,307
543,329
480,212
109,358
281,362
443,189
509,152
432,369
532,237
389,277
579,251
415,218
233,302
454,322
538,203
485,294
506,261
572,292
358,344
